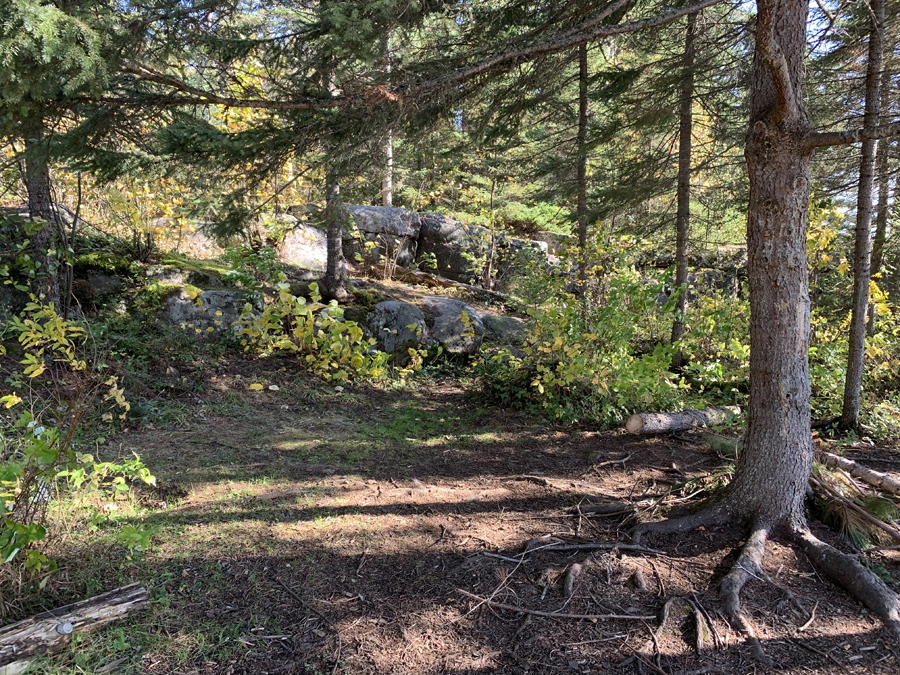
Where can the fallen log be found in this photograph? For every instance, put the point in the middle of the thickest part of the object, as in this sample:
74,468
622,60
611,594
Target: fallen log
52,630
874,478
409,276
660,423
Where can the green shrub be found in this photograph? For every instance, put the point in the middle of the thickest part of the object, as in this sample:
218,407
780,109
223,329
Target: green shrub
331,346
594,357
61,383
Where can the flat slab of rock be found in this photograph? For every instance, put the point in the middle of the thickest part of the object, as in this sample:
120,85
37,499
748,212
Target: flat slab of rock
384,220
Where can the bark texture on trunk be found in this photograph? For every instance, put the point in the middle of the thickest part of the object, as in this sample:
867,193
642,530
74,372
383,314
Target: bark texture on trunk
336,265
862,250
882,170
774,468
387,181
40,205
581,177
683,212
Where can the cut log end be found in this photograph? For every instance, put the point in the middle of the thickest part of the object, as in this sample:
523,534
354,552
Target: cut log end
634,424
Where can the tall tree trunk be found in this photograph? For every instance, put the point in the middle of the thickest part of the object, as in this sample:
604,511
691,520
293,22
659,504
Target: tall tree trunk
336,265
387,181
863,248
581,177
40,205
683,212
884,187
775,464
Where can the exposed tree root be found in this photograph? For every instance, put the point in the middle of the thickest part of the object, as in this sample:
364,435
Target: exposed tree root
852,575
716,515
842,568
749,564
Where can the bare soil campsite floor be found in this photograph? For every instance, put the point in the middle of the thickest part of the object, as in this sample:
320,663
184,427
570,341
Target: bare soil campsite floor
310,530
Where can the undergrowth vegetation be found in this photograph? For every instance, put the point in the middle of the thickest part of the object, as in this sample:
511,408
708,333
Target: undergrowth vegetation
598,349
59,392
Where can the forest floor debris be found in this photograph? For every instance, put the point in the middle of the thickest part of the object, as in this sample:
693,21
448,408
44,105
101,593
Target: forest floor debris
309,530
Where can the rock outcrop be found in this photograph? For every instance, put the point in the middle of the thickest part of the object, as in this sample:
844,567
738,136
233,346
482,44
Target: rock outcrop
208,315
374,234
453,324
306,247
396,326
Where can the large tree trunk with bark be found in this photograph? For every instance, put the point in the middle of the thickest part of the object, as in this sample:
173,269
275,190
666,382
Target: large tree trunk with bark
884,185
336,265
683,212
581,177
40,205
774,467
863,248
387,180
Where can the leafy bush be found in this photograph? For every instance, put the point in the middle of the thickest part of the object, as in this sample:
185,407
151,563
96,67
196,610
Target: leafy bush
252,267
331,346
592,357
61,381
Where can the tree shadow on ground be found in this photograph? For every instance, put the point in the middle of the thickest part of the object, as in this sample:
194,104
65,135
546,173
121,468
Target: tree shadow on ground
364,515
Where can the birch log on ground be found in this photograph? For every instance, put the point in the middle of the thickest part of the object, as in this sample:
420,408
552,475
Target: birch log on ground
52,630
659,423
874,478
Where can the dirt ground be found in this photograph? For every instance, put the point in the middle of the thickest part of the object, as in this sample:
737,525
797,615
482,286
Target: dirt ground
305,529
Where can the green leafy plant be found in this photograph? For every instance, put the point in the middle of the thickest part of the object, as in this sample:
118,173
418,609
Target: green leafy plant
332,347
593,357
61,382
252,268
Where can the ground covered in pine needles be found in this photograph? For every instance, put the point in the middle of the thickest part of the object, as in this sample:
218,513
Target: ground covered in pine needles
305,529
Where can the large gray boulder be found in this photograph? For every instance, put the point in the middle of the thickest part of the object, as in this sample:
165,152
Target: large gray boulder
453,244
454,325
210,314
504,330
389,324
374,234
555,241
103,283
306,247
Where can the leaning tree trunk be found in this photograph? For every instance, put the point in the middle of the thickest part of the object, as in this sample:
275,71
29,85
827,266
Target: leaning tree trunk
862,250
336,265
774,467
581,171
37,184
683,213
